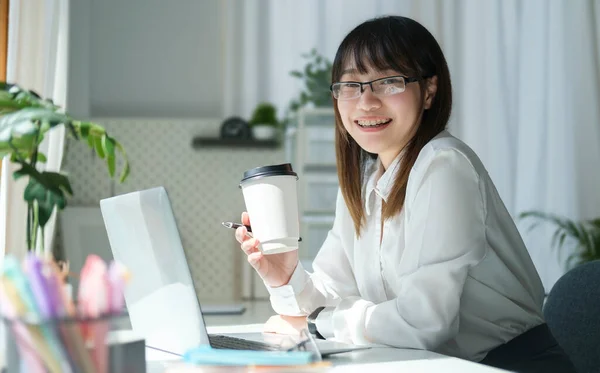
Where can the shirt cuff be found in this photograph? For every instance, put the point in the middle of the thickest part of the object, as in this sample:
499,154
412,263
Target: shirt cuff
324,322
283,298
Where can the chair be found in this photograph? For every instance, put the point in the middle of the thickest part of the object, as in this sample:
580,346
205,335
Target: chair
572,312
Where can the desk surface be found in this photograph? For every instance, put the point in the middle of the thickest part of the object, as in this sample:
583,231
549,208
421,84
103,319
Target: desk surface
249,325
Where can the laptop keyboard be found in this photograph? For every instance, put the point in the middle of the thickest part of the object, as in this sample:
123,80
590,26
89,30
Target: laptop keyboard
233,343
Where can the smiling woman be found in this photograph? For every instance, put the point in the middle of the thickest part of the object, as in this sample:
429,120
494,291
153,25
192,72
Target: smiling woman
423,253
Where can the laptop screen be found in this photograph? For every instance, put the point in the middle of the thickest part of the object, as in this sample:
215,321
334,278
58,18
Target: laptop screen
160,298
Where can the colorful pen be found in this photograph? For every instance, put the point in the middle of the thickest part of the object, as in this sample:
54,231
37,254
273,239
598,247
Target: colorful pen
46,301
17,288
34,362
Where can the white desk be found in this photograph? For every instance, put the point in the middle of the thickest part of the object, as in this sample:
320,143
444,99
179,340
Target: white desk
249,325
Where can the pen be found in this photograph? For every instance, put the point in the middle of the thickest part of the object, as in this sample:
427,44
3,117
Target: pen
229,224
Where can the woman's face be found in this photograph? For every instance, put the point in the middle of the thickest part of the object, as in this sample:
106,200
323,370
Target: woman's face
381,125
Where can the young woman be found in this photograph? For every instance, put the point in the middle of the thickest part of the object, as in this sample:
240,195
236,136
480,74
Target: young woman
423,253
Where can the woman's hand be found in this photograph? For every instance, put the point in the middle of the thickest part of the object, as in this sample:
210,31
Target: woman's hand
275,269
290,325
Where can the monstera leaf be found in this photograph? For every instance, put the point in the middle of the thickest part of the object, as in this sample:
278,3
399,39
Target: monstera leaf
46,189
21,130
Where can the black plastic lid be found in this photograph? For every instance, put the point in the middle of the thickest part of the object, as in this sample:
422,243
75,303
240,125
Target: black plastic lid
273,170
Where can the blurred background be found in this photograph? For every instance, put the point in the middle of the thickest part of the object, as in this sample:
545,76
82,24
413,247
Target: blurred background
199,91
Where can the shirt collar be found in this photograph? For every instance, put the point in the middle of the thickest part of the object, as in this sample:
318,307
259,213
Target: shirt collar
380,180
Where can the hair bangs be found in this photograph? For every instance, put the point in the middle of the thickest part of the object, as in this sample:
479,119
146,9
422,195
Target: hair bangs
368,48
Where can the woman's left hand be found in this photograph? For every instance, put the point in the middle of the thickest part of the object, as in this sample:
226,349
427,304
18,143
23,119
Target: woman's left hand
289,325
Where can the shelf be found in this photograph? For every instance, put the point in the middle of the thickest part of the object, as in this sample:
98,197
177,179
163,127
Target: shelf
217,142
320,168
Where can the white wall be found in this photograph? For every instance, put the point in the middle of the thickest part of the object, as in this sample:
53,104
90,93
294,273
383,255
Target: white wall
145,58
203,187
154,67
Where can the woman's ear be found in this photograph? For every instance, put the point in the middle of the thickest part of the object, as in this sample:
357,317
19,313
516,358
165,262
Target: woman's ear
430,91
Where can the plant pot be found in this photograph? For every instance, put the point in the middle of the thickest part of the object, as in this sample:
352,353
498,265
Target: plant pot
264,132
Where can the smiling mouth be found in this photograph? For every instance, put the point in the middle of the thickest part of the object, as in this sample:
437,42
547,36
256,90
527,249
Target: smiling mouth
372,123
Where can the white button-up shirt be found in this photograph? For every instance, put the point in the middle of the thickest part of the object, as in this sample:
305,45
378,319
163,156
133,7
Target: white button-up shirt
450,274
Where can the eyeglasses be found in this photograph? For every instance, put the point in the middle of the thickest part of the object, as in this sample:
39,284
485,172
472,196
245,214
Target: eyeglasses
388,86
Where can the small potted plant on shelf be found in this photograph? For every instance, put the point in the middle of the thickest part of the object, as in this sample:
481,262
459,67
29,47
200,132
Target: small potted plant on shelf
316,76
264,124
25,118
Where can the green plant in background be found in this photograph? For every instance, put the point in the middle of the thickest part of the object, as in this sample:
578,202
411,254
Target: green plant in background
585,234
317,80
24,120
264,114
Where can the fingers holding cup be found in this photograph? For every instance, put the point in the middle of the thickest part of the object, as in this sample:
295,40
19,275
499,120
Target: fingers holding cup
250,246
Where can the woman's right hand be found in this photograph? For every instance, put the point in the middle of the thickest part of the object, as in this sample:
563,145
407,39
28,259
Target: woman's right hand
275,269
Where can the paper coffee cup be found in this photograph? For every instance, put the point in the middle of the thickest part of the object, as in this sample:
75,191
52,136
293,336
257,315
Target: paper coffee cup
272,202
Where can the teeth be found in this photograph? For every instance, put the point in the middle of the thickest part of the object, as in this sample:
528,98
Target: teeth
369,123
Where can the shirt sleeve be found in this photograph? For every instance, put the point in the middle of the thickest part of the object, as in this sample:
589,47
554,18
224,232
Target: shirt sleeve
332,279
445,228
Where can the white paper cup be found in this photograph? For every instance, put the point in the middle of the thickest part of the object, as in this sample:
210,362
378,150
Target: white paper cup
272,202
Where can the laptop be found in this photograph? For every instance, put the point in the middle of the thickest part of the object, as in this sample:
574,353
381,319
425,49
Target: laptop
161,299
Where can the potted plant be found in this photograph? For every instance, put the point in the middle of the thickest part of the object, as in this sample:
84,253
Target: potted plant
264,122
584,235
317,80
25,118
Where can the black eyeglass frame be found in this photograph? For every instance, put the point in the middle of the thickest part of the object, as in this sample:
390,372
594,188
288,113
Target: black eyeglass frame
370,84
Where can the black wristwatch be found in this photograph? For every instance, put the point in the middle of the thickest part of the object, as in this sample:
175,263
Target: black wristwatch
311,320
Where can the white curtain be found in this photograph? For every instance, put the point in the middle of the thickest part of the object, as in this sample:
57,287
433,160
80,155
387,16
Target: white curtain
37,59
526,86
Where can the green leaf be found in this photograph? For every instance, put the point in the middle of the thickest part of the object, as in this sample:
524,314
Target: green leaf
595,222
48,189
72,130
84,129
125,170
50,180
57,180
41,157
98,147
97,130
296,74
110,161
108,145
27,170
585,234
90,141
124,173
19,130
18,119
46,200
307,70
17,156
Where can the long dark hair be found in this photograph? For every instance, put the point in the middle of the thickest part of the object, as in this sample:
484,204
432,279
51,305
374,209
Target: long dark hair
404,45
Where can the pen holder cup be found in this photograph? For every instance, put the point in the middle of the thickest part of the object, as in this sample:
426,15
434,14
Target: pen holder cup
77,345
